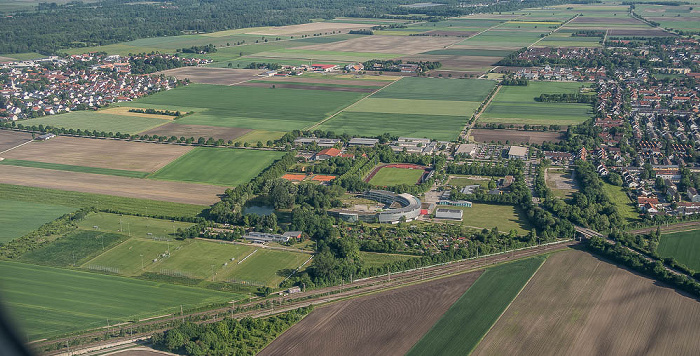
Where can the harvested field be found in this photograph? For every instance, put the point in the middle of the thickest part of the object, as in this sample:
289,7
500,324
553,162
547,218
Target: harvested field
306,86
9,139
176,192
197,131
309,28
124,111
207,75
387,44
112,154
387,323
514,136
578,304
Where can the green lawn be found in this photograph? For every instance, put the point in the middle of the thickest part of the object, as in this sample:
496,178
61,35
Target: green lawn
18,218
73,249
437,127
48,301
683,246
265,266
487,216
132,225
464,181
220,166
79,199
91,120
463,326
375,259
517,105
438,89
251,107
623,203
72,168
391,176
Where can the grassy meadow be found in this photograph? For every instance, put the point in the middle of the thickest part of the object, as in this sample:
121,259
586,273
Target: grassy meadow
488,216
683,246
18,218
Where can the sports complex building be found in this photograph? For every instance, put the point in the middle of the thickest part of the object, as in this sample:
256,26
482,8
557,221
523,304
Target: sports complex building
399,206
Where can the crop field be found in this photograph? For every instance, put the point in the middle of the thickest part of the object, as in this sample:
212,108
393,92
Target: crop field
105,154
19,218
412,106
94,120
197,131
387,323
504,39
220,166
623,203
72,168
325,55
390,46
73,249
255,136
488,216
127,187
577,304
683,246
218,76
517,105
42,299
437,127
251,108
395,176
459,331
684,17
9,139
101,201
515,136
474,90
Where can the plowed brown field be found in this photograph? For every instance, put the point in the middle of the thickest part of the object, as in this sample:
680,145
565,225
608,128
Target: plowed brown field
577,304
88,152
9,139
387,323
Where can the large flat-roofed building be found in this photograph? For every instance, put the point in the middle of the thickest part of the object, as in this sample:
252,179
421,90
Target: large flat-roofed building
466,149
453,214
517,152
359,141
321,142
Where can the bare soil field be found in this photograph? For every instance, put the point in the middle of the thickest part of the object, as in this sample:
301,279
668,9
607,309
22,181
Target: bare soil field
205,75
515,136
124,111
114,154
386,44
387,323
652,32
315,27
197,131
177,192
9,139
307,87
577,304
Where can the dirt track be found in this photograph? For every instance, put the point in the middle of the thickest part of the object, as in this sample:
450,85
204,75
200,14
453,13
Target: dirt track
115,154
176,192
578,304
387,323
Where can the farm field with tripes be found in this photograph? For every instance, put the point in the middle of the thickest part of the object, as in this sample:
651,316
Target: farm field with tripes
577,304
683,246
18,218
391,176
461,328
438,89
95,120
48,301
386,323
72,168
517,105
367,124
221,166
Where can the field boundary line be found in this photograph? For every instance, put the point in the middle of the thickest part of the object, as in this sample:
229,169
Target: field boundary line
351,105
18,146
509,304
477,116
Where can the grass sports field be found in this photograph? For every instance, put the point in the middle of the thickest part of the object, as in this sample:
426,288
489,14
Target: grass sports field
461,328
391,176
517,105
251,107
683,246
415,107
220,166
18,218
623,203
95,120
488,216
42,298
79,199
132,225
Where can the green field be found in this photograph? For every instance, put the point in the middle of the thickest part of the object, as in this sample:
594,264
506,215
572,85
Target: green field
18,218
375,259
263,136
269,267
417,107
100,201
471,52
437,127
73,249
683,246
132,225
487,216
623,203
91,120
391,176
220,166
511,38
462,181
43,299
72,168
463,326
333,56
438,89
250,107
517,105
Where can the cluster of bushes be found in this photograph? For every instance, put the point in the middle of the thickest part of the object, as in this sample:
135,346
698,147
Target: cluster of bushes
261,65
210,48
156,112
566,98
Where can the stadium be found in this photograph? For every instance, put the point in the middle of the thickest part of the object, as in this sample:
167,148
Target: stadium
397,206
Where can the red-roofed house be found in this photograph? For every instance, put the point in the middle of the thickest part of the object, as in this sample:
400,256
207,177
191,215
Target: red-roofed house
324,67
327,153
